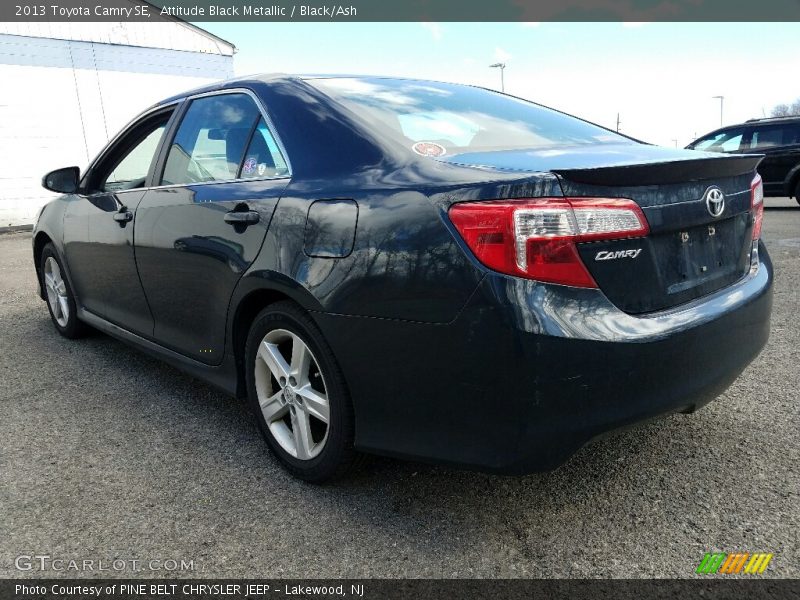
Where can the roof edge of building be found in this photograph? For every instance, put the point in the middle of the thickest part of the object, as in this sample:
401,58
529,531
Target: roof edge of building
192,26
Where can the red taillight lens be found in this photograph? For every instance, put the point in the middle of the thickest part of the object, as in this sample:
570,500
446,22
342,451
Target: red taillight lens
535,238
757,205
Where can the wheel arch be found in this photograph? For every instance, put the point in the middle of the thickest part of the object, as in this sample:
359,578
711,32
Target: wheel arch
792,179
252,302
39,242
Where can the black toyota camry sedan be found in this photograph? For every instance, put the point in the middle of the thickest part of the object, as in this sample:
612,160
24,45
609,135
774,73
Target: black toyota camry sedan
412,268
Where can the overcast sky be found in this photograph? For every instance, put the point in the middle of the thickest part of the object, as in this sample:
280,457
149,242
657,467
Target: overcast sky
660,77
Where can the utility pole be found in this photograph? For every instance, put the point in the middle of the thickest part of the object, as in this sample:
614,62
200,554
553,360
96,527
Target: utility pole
617,122
502,67
721,100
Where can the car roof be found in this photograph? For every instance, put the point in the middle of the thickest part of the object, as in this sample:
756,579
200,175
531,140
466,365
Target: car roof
769,120
270,78
277,77
765,121
226,83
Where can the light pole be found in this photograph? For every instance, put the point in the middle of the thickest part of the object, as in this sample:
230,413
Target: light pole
721,100
502,67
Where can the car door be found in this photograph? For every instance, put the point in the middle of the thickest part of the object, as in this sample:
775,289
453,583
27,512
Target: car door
99,226
222,174
768,140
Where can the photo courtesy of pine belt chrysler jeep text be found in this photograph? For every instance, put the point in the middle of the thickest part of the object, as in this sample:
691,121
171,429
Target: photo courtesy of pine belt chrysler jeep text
412,268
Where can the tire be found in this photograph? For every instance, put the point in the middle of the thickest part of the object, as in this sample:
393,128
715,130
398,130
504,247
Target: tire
58,293
293,384
797,192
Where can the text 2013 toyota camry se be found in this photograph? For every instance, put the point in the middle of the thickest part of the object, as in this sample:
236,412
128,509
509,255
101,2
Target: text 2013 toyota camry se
412,268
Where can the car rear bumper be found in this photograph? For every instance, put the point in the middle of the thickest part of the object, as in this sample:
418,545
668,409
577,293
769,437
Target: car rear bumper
674,361
528,373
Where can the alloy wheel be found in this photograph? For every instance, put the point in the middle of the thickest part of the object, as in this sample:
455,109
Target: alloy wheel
56,291
292,395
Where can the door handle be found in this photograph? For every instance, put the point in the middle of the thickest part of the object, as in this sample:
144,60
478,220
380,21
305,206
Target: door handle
123,216
242,217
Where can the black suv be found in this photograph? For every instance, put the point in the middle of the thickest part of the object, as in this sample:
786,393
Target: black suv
777,138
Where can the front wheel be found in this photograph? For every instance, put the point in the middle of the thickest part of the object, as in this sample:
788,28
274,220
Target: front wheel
60,299
298,394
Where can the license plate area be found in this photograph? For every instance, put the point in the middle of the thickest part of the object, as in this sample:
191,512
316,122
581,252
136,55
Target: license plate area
702,255
672,267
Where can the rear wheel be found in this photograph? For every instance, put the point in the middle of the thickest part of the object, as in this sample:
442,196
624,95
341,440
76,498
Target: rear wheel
298,394
60,299
797,192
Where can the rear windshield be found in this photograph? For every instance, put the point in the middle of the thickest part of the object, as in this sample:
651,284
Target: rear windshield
434,119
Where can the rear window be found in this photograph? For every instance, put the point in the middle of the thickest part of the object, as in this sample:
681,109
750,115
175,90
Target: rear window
434,119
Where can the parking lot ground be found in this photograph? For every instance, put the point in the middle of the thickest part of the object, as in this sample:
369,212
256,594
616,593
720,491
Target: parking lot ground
108,454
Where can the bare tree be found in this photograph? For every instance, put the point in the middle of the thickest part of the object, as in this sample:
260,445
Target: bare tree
787,110
780,110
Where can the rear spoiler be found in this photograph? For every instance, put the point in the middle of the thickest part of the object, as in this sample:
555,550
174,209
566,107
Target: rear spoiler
662,172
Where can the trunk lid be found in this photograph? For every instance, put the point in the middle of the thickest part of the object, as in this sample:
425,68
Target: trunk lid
689,252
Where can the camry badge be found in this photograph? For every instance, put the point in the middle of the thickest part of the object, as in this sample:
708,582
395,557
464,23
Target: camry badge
715,201
606,255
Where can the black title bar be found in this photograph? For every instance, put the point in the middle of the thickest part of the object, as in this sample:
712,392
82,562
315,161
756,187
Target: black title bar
399,10
395,589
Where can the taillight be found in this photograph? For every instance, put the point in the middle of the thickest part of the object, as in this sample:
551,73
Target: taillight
757,205
535,238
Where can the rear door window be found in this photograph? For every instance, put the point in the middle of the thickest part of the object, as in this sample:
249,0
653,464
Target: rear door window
775,135
791,134
766,137
211,140
263,157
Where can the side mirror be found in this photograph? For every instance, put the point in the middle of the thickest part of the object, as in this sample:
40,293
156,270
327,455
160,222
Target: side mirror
63,181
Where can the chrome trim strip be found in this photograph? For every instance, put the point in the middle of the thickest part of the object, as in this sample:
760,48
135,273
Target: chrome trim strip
700,199
261,109
215,182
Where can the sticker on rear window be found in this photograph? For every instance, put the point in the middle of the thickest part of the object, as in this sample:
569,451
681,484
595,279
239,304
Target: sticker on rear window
428,149
249,166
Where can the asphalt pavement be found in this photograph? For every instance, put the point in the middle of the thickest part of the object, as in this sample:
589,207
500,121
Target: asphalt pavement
107,454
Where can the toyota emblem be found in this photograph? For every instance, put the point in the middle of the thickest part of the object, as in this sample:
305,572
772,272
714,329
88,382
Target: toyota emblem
715,201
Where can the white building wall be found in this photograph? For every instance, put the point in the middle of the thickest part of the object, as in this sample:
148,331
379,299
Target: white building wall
169,35
62,100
